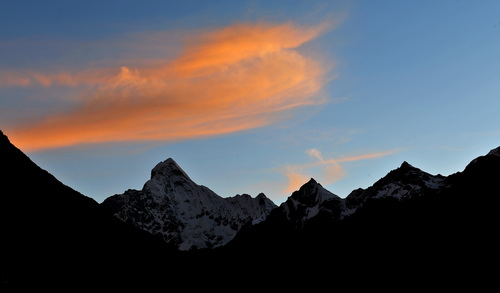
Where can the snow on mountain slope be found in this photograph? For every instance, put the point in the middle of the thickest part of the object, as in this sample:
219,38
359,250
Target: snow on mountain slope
186,215
190,216
402,183
308,202
312,199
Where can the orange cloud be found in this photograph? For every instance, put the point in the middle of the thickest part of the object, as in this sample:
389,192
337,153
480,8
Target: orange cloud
30,78
240,42
328,171
295,178
366,156
240,77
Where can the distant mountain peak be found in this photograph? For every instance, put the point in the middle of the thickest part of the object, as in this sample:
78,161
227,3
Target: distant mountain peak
306,202
185,214
401,183
313,182
311,193
406,165
405,170
168,168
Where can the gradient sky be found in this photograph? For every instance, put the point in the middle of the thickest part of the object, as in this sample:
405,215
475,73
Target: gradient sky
249,96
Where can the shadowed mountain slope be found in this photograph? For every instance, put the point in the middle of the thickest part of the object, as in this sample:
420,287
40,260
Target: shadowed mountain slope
52,234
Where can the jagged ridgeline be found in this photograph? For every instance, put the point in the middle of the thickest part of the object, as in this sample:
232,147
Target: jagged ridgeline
409,225
190,216
185,214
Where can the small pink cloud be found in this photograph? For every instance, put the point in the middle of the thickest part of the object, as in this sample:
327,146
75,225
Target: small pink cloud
327,171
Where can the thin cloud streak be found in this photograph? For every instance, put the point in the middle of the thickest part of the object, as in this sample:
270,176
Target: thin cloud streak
328,170
237,78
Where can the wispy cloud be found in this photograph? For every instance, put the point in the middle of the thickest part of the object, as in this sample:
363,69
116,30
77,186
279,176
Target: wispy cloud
32,78
326,171
236,78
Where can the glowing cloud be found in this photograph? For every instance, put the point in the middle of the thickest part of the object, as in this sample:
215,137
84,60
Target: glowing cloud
328,171
240,77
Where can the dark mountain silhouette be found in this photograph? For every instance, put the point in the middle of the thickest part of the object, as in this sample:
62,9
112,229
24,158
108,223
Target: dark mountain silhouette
409,230
410,226
52,234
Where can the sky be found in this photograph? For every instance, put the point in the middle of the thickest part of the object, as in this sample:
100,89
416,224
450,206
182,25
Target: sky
249,96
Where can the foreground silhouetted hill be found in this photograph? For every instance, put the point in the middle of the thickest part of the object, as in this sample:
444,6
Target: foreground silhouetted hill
51,234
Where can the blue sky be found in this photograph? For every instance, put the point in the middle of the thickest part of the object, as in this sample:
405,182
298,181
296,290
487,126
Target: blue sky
341,91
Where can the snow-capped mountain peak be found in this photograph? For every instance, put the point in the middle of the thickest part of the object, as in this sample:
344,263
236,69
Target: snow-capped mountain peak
306,202
168,168
185,214
311,193
257,208
403,182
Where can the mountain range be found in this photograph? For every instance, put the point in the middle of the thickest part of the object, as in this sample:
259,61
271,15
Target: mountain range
186,215
410,227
